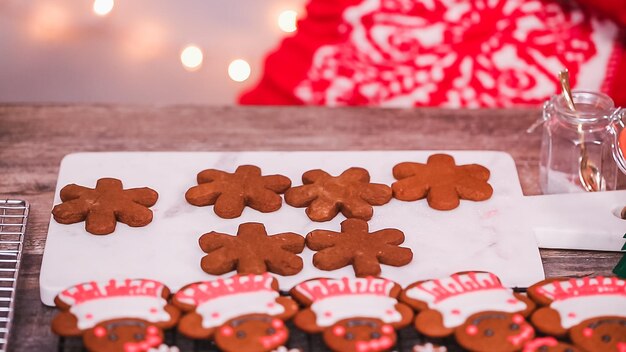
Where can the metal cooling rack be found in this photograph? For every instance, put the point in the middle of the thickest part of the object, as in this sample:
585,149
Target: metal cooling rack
13,217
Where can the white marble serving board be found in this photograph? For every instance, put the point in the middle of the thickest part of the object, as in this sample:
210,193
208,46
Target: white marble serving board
476,236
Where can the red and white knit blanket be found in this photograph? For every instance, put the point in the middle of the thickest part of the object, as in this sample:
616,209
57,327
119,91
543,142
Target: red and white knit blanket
448,53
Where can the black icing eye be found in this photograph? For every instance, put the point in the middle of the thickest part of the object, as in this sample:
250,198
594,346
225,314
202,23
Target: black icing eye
241,334
375,335
270,331
514,326
112,337
566,350
606,338
349,336
138,337
488,332
542,349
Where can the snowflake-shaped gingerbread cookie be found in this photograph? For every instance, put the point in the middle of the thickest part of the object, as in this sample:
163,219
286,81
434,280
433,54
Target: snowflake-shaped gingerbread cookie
350,193
356,246
101,208
441,182
230,193
252,251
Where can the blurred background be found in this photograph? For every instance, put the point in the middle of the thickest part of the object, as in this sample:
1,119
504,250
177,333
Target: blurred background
137,51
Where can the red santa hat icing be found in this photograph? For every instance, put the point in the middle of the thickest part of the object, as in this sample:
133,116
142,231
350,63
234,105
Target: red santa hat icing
577,300
94,302
220,300
337,299
461,295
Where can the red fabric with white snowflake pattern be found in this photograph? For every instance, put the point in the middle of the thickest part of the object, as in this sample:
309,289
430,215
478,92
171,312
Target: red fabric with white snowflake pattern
448,53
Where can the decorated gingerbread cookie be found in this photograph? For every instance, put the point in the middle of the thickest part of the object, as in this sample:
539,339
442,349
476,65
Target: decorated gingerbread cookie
591,309
116,315
354,314
441,182
494,331
350,193
549,344
241,313
101,208
252,251
356,246
230,193
447,303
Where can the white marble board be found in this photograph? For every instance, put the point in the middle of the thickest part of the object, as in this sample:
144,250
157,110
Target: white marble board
476,236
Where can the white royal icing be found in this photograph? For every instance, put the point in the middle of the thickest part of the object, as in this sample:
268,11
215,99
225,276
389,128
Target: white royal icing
575,310
164,348
92,312
334,308
321,288
217,311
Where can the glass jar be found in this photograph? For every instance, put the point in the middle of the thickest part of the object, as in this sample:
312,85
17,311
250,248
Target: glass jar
592,132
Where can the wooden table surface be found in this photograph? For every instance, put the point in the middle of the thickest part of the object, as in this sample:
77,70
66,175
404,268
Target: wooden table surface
34,139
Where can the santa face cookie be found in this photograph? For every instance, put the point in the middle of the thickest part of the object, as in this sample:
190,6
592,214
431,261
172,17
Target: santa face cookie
494,331
354,314
446,303
570,302
241,313
116,315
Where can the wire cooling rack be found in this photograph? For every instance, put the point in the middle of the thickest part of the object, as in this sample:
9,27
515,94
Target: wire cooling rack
13,217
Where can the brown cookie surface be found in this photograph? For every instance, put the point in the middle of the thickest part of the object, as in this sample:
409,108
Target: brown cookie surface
360,334
494,331
230,193
253,332
441,182
252,251
101,208
356,246
123,335
601,334
350,193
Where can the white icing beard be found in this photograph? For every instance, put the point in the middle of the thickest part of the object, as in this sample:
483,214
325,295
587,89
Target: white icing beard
92,312
216,312
456,309
575,310
333,309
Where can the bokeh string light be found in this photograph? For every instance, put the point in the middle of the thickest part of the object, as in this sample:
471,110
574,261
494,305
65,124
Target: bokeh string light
51,22
103,7
239,70
191,57
287,21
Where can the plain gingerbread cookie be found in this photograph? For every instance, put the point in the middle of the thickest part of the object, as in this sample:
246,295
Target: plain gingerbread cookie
441,182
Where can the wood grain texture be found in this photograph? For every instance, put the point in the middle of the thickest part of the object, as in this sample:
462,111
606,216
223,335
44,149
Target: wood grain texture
34,139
